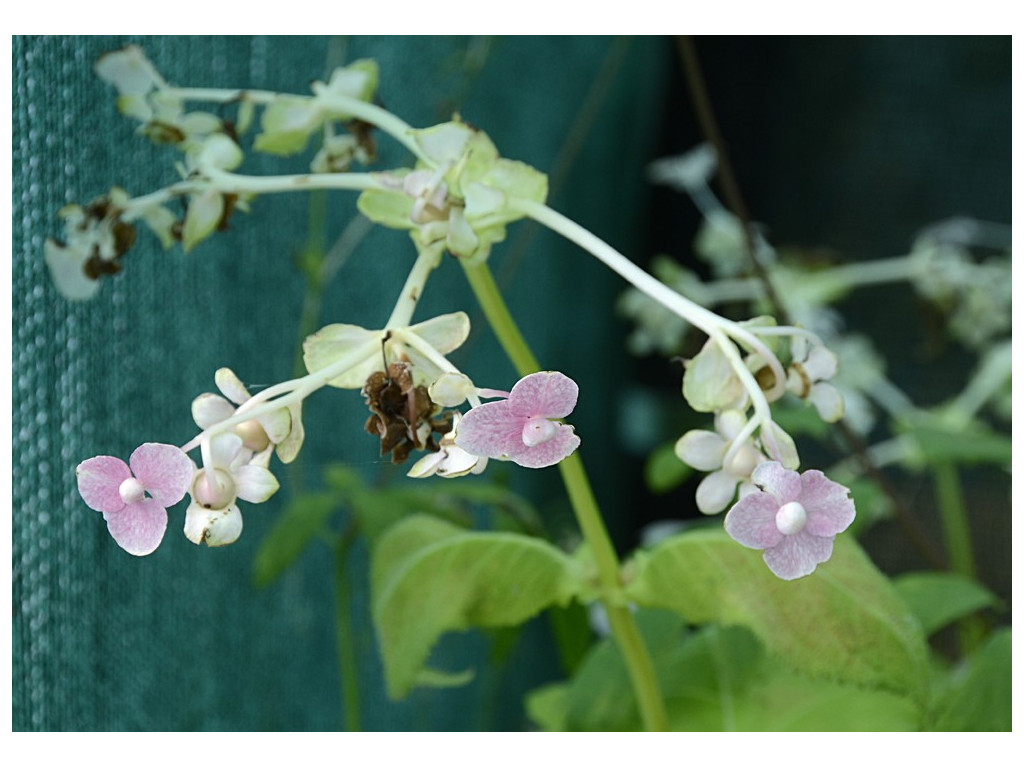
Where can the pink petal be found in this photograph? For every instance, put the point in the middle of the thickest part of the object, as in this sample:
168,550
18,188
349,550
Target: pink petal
164,470
99,479
551,451
752,521
138,528
798,555
830,510
490,430
773,478
549,393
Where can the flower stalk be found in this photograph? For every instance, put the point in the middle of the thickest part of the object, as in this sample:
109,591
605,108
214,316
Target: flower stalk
588,515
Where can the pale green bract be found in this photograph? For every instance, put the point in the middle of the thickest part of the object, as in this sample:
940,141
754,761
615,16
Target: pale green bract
460,199
444,333
289,121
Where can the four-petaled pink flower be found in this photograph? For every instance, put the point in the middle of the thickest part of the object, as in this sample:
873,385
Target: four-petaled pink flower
520,428
136,521
793,518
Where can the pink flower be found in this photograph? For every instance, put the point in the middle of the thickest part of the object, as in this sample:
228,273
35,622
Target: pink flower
794,518
520,428
110,486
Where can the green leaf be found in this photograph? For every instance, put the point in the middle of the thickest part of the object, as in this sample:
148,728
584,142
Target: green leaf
785,701
600,696
845,621
664,471
573,636
301,521
429,577
546,706
981,699
938,599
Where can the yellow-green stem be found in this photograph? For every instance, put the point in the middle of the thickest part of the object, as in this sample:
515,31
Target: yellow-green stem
588,515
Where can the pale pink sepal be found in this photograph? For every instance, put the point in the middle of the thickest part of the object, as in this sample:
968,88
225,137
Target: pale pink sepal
138,528
754,519
99,479
165,471
798,555
549,394
495,430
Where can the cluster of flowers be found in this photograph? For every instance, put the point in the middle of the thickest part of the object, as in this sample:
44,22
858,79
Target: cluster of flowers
458,198
241,432
794,518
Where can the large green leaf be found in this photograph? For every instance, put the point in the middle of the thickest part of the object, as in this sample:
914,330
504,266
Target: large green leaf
845,621
429,577
980,697
938,599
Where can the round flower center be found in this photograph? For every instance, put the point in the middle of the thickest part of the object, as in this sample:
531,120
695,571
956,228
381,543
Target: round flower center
791,518
538,430
131,490
744,462
254,437
214,489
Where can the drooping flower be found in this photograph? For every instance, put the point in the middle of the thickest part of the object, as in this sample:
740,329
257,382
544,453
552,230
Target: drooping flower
706,450
459,200
449,460
522,427
808,378
794,518
231,473
281,428
118,490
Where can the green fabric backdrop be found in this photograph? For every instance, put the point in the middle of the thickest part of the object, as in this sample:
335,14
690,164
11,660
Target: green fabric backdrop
181,639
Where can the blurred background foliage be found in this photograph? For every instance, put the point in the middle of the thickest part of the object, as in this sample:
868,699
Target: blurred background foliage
844,147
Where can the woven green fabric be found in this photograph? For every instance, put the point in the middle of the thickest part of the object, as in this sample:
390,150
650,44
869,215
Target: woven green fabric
181,639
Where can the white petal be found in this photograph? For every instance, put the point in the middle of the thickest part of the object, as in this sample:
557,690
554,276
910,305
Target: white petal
451,389
277,424
232,386
701,449
213,527
66,265
426,466
255,484
779,445
821,364
828,401
715,492
209,409
224,449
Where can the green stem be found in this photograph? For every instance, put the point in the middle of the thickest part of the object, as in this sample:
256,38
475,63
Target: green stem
588,515
347,664
956,532
954,518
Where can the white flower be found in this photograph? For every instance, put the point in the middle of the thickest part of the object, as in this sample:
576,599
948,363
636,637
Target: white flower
450,460
230,473
281,428
95,239
809,373
706,450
